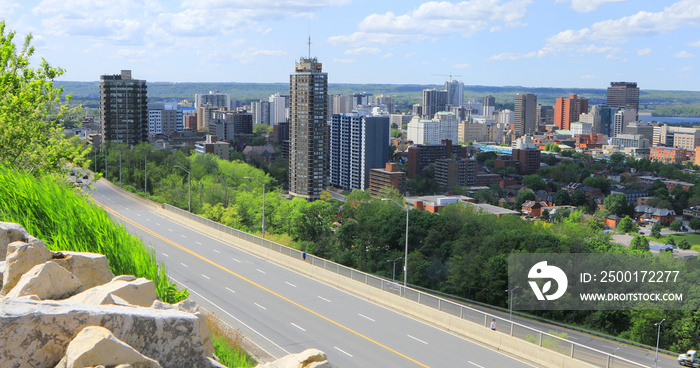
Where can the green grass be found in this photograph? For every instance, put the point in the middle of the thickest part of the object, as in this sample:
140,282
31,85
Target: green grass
228,344
692,238
52,210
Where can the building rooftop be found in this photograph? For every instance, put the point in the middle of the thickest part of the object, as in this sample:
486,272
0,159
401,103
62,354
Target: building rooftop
494,210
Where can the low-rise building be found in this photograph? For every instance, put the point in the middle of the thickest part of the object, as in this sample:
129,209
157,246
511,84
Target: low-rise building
667,154
390,177
213,146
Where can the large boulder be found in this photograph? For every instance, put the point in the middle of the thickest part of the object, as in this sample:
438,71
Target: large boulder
47,281
11,232
37,333
21,257
96,345
310,358
91,269
190,306
135,291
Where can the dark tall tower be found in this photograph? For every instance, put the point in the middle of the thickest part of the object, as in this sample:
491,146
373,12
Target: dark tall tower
308,109
525,119
623,94
433,101
123,108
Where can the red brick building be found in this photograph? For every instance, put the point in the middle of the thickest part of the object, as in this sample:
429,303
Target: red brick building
667,154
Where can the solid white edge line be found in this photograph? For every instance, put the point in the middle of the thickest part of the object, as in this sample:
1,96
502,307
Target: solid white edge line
342,351
237,320
295,325
470,362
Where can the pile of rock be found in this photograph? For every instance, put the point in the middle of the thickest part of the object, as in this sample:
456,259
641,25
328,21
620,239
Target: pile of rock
66,309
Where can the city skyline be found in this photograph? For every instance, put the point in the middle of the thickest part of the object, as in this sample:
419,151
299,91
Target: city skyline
553,43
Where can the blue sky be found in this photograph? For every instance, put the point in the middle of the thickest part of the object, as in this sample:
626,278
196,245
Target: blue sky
530,43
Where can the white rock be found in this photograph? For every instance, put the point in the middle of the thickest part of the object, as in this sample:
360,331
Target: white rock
47,281
96,345
11,232
2,271
141,292
37,333
91,269
310,358
190,306
21,257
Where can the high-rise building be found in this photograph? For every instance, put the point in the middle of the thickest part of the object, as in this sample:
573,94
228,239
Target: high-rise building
600,119
357,144
227,124
123,108
308,109
621,119
387,102
217,99
422,155
163,117
525,118
279,108
261,111
424,131
455,92
433,102
623,94
360,99
488,105
568,109
545,115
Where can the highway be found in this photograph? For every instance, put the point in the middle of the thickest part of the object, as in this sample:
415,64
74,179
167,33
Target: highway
283,312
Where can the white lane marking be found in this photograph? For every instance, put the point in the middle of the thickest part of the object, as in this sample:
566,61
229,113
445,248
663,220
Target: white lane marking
127,208
230,290
165,254
147,219
297,326
363,316
157,224
184,264
261,271
263,308
235,319
470,362
138,214
183,236
342,351
236,260
206,277
322,298
198,242
171,230
417,339
216,251
290,284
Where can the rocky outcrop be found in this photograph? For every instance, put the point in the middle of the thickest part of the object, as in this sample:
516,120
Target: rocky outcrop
9,233
21,257
96,345
91,269
46,281
310,358
135,291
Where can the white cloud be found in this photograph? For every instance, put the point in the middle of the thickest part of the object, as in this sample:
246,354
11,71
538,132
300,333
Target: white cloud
343,61
585,6
683,55
645,51
686,68
363,51
461,66
8,7
436,18
514,56
248,56
387,55
694,44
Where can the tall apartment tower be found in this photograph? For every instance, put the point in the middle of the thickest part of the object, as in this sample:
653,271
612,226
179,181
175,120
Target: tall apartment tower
623,94
488,106
455,92
123,108
433,101
218,99
308,109
568,109
525,119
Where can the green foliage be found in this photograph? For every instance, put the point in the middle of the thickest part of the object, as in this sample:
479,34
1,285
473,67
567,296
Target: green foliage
694,223
684,244
689,110
522,197
639,243
54,212
599,182
656,230
627,226
675,226
562,198
534,182
617,204
552,147
30,138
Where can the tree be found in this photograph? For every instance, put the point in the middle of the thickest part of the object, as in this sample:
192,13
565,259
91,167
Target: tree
31,137
656,230
639,243
683,244
522,197
617,204
626,225
562,197
694,224
599,182
675,226
534,182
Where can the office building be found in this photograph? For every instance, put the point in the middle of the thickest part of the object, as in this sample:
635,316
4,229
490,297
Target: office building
216,99
667,154
433,102
665,135
188,114
400,120
261,112
568,109
279,108
600,119
358,143
389,177
163,118
443,126
488,106
525,117
623,94
360,99
387,102
639,127
308,109
422,155
545,115
455,93
123,108
213,146
621,119
226,125
450,172
579,128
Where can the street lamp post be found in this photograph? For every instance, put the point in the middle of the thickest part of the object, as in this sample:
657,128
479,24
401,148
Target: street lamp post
189,188
658,335
510,305
263,206
145,176
405,265
120,168
393,271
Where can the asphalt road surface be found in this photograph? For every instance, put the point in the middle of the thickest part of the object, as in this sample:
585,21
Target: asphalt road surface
283,312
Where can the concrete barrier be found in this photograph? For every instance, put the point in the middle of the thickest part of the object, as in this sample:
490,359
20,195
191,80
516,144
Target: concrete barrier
480,334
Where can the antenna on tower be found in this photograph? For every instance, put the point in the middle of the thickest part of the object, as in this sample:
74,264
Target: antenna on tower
309,38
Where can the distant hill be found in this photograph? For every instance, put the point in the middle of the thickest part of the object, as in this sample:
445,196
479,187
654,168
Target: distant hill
87,93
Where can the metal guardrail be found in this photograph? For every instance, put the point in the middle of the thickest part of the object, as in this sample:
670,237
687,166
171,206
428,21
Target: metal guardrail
536,337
